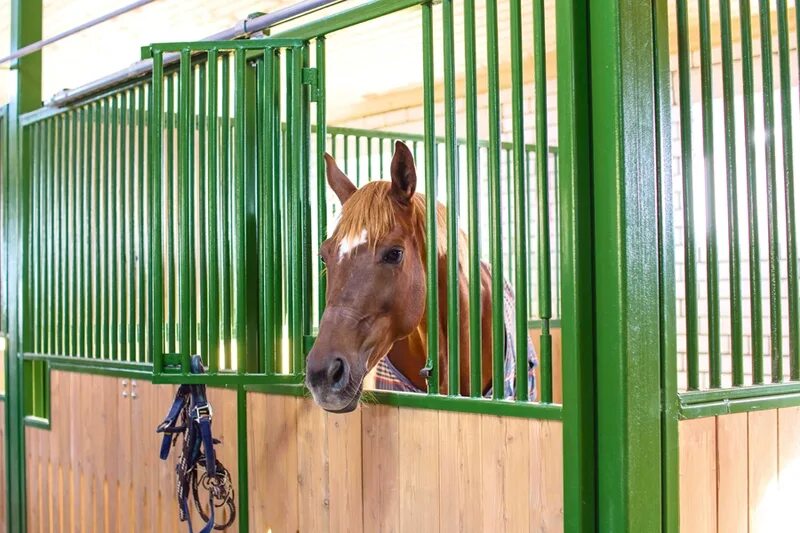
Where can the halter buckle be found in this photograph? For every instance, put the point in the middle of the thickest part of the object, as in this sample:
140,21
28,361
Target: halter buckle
202,411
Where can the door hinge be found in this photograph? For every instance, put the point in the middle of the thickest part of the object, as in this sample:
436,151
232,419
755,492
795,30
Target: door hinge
311,78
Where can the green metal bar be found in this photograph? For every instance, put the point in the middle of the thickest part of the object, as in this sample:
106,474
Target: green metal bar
96,124
278,203
753,391
57,201
75,237
757,348
144,228
365,12
789,191
227,299
293,118
112,208
432,256
521,242
183,203
171,204
122,239
745,405
213,210
543,189
495,201
473,191
155,157
265,220
305,192
130,219
776,373
737,355
322,198
712,264
203,214
685,96
84,172
50,346
469,405
239,208
451,182
358,161
190,195
37,256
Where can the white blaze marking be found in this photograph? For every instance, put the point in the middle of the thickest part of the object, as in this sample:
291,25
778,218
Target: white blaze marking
349,244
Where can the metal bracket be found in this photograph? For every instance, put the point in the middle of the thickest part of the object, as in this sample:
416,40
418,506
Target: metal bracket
311,78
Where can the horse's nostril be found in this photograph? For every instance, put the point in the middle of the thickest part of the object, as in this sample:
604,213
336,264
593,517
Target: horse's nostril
337,373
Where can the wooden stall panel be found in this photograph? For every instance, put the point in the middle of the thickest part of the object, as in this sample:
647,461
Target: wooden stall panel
732,452
97,468
789,464
762,437
387,469
698,475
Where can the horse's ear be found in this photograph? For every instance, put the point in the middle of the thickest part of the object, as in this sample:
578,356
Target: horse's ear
404,175
340,183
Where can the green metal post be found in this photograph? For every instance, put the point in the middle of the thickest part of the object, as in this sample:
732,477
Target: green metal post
574,170
626,233
26,28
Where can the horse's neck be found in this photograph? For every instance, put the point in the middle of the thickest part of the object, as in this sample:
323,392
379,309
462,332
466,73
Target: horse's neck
410,355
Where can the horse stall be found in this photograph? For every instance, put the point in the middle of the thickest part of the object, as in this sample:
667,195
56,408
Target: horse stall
546,278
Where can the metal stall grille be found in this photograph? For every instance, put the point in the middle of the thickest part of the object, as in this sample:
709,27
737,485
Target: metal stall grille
230,207
735,118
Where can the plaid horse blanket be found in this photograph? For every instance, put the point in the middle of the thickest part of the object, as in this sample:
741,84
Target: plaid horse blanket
387,377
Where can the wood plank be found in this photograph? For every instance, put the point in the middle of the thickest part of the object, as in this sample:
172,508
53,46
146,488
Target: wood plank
493,464
762,435
380,467
517,475
460,472
788,462
419,470
32,479
273,466
312,468
345,474
698,475
732,473
225,423
547,476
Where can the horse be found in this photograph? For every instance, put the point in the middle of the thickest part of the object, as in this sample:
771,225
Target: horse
375,263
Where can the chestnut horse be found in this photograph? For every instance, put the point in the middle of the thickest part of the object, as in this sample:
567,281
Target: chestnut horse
376,290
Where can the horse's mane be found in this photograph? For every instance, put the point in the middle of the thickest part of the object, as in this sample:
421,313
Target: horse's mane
370,208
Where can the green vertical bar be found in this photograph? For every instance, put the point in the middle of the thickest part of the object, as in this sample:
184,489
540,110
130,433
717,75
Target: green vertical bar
495,201
212,208
265,218
520,186
155,153
305,194
278,206
124,222
543,189
239,211
358,160
772,196
684,80
172,205
756,316
432,256
322,198
183,203
712,265
789,191
74,237
130,219
473,191
203,214
346,149
451,177
227,300
733,201
85,231
63,235
143,228
97,240
57,221
51,251
114,234
294,118
37,262
190,194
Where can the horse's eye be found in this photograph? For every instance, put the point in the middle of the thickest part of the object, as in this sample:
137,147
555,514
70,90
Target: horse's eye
393,256
321,258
